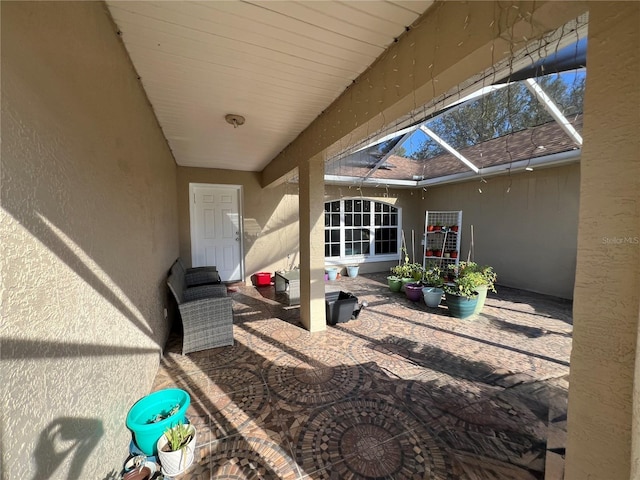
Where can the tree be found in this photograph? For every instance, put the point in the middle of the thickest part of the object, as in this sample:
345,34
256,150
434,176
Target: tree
500,113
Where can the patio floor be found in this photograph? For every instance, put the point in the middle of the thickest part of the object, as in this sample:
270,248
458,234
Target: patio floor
402,392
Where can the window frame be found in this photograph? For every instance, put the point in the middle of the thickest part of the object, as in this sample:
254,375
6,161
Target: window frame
343,259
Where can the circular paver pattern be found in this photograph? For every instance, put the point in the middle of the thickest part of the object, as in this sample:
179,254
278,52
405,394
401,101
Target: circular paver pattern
274,336
393,355
317,377
236,398
240,458
368,438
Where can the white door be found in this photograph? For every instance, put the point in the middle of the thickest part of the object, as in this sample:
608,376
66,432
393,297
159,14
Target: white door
216,235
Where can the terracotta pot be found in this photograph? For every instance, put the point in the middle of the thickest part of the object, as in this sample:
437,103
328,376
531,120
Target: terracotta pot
143,473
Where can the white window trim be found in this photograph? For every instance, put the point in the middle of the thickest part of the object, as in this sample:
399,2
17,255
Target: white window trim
360,259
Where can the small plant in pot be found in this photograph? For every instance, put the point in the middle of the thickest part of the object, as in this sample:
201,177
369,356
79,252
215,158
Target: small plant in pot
413,291
406,270
433,277
432,292
176,449
394,282
489,278
462,295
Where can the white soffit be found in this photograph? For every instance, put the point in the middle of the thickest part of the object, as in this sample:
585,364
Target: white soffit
278,63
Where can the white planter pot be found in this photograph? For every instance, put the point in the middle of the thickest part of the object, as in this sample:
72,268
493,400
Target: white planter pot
175,463
432,296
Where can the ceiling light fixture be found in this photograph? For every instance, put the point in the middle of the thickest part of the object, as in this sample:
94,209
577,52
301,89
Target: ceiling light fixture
235,120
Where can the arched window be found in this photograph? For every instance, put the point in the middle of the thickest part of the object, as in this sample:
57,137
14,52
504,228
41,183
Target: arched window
356,229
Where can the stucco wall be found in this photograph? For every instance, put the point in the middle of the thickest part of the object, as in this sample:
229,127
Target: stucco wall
604,410
89,229
270,218
528,235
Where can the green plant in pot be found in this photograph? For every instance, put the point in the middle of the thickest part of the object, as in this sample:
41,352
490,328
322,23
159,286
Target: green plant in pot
489,278
433,277
417,272
394,282
403,270
462,295
176,449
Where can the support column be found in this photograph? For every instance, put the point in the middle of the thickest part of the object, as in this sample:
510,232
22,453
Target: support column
311,198
603,409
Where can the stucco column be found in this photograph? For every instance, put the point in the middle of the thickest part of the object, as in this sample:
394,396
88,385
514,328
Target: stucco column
311,198
603,401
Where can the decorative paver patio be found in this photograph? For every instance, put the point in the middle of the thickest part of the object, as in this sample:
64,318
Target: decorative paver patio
402,392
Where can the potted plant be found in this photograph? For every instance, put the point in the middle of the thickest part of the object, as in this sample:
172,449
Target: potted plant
352,270
429,252
405,270
332,272
176,449
394,282
150,416
417,272
413,291
462,295
489,278
432,293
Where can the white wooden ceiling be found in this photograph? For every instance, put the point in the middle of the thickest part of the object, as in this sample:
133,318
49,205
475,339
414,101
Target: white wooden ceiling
277,63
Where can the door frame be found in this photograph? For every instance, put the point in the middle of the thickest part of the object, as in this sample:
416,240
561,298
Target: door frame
192,213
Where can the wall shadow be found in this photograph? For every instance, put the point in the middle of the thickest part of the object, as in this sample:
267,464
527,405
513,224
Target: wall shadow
63,438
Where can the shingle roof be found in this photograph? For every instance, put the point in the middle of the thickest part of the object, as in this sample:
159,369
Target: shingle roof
545,139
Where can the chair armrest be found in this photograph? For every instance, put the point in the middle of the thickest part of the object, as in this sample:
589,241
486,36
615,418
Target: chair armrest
207,323
204,291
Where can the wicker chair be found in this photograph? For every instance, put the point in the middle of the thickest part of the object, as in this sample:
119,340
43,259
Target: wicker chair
195,276
207,316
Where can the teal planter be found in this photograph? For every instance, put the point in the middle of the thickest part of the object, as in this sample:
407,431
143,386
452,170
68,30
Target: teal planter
140,419
352,270
461,307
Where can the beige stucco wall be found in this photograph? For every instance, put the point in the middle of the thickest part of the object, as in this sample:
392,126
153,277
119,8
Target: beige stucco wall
89,229
604,412
270,218
528,235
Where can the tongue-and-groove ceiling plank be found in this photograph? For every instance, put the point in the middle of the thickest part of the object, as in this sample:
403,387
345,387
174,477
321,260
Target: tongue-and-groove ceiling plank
279,64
